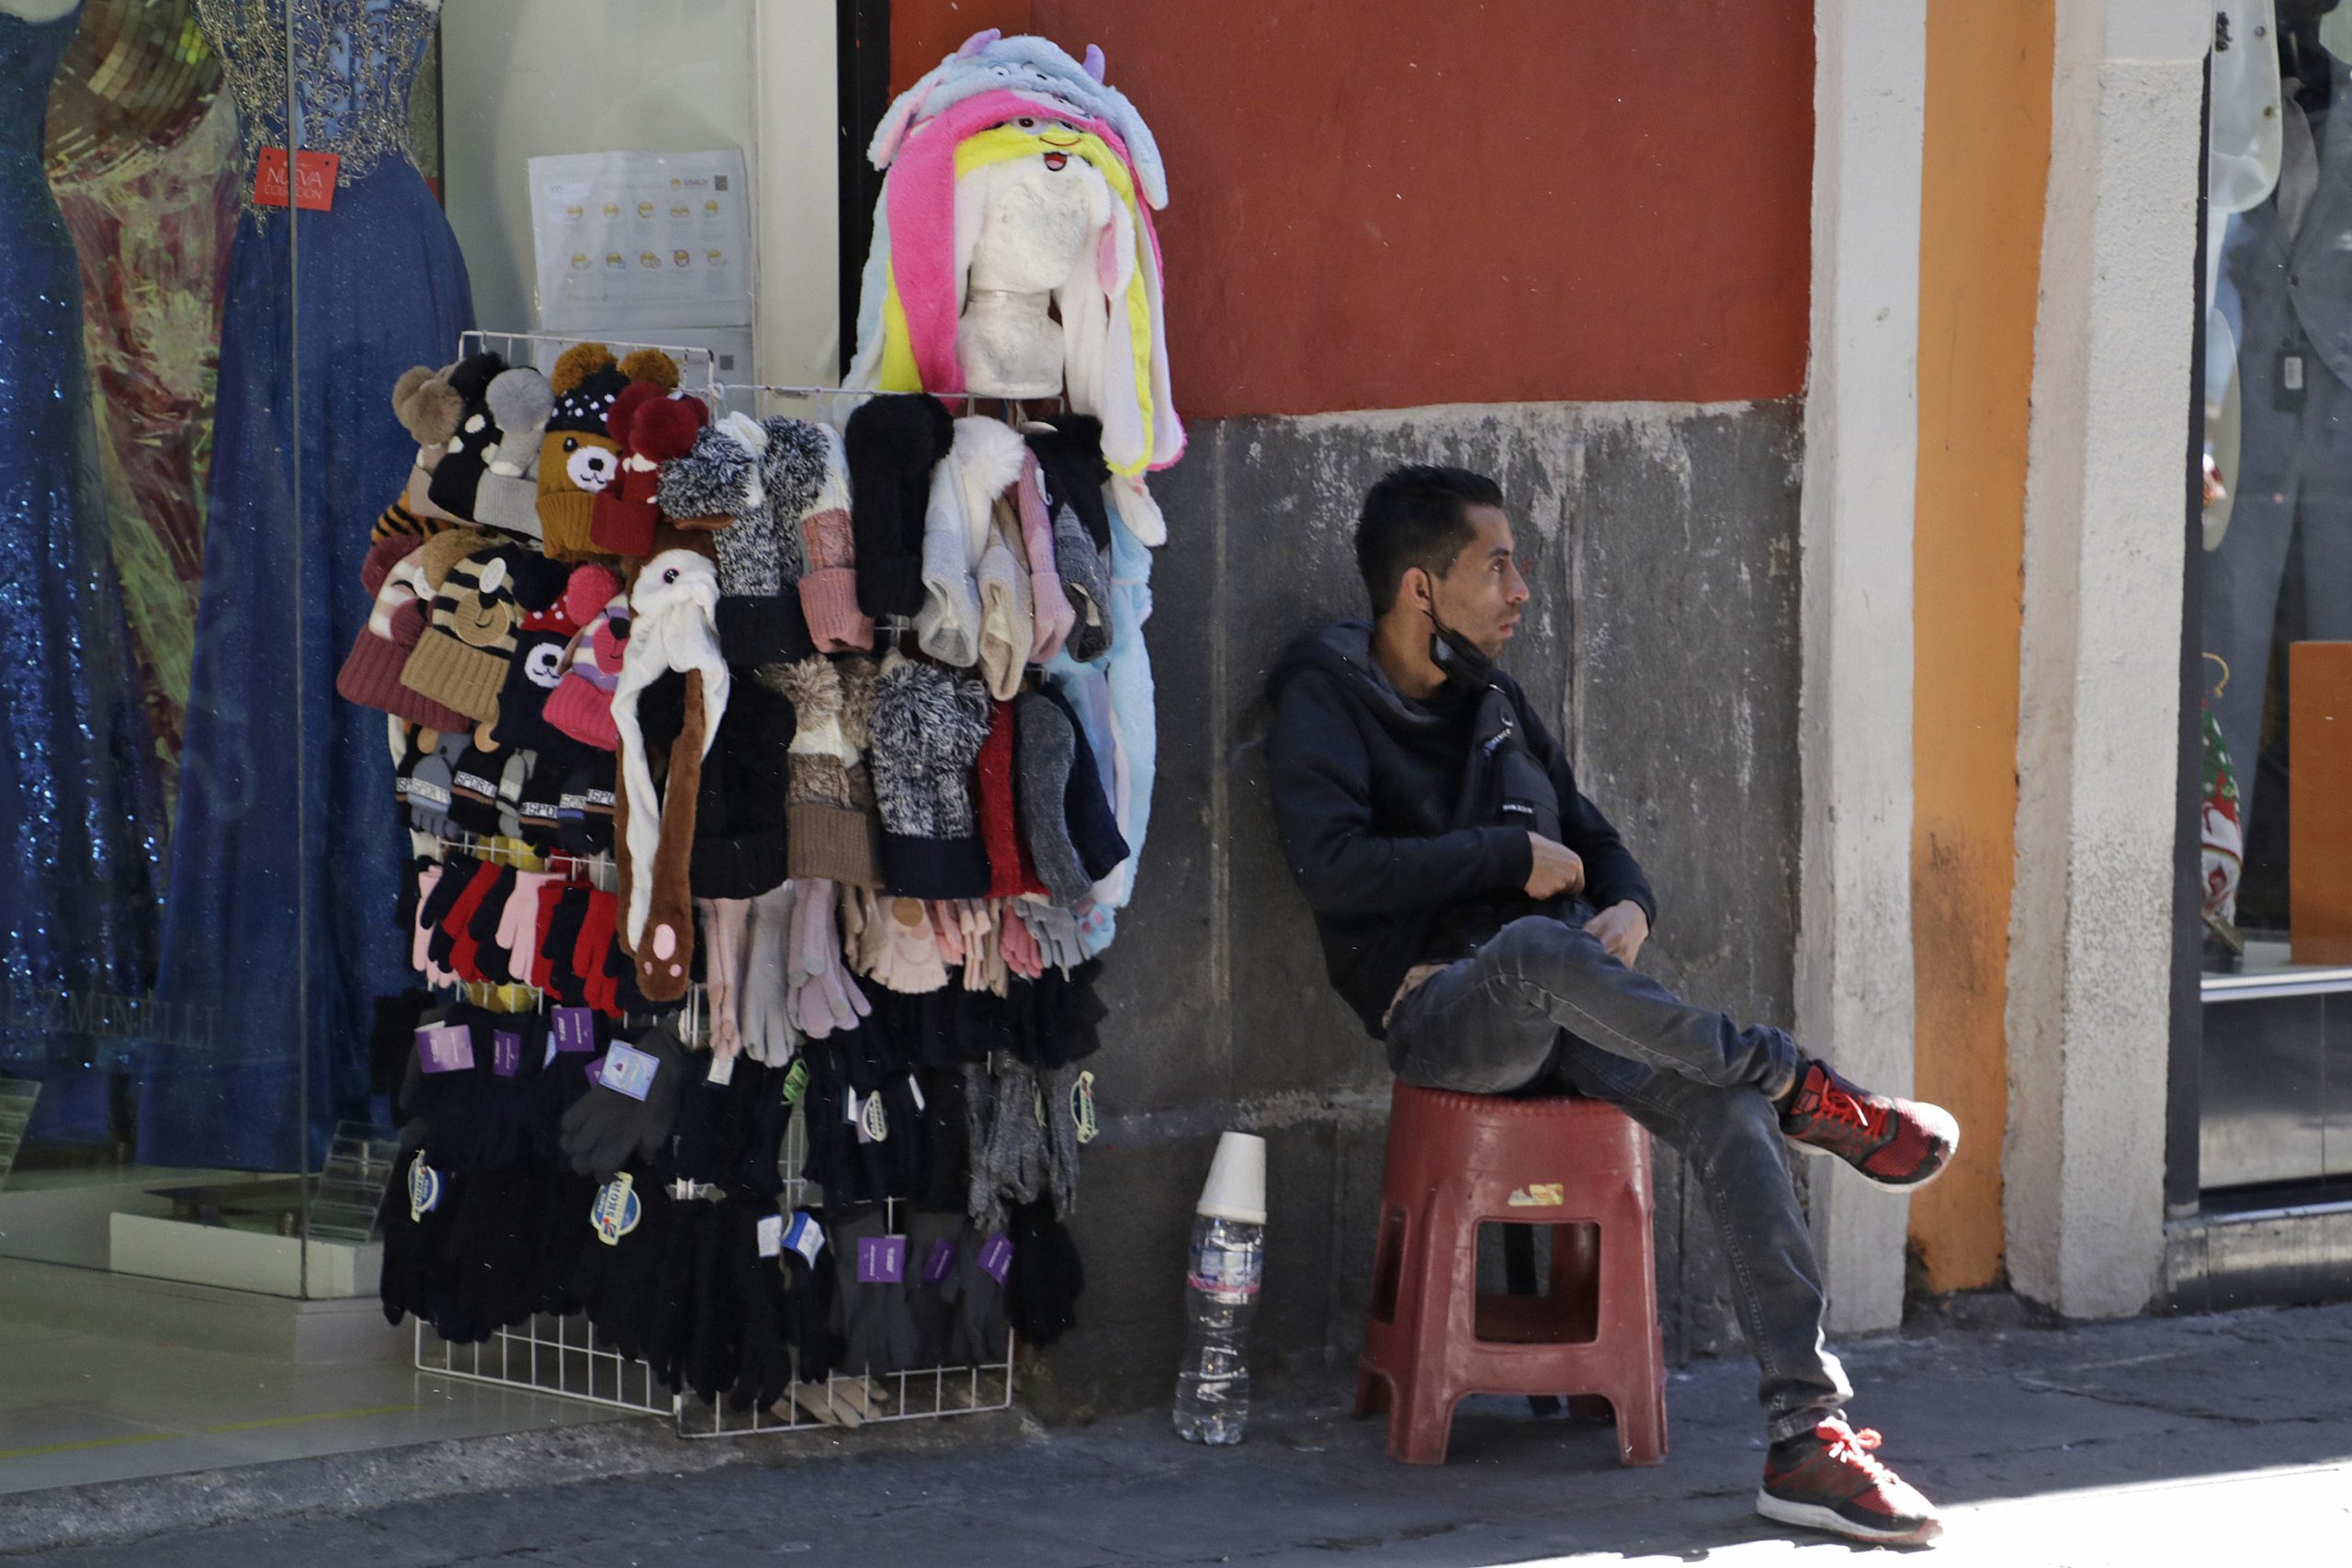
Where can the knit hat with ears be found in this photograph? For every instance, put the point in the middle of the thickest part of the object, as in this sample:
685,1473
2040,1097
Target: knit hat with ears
982,463
462,660
828,582
508,498
576,455
893,442
582,704
458,474
371,674
429,411
653,425
761,558
550,592
716,483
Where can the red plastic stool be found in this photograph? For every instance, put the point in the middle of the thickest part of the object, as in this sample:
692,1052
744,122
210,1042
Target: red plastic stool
1457,1160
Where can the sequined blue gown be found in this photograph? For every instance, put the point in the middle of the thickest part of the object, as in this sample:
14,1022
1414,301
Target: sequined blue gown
278,921
80,813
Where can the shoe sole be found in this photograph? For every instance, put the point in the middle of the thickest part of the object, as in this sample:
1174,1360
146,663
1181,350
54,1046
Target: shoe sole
1814,1515
1814,1151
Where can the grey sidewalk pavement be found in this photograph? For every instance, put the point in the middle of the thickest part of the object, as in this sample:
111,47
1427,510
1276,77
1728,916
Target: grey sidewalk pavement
2150,1443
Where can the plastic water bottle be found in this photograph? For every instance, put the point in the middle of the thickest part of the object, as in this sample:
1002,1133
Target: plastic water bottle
1228,1262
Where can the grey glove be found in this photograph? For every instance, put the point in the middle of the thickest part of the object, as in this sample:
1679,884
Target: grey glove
1087,584
878,1332
1061,1137
1009,1164
605,1129
765,1000
1055,931
1045,747
429,786
931,1304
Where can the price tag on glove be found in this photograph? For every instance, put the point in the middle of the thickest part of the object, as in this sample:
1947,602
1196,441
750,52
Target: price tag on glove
446,1048
627,1070
881,1259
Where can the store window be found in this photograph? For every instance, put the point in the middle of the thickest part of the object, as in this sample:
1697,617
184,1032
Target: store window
527,757
2274,587
204,860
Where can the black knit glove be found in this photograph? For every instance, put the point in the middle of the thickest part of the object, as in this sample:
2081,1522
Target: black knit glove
616,1282
763,1354
1048,1278
808,1297
607,1129
931,1302
878,1335
979,1303
719,1317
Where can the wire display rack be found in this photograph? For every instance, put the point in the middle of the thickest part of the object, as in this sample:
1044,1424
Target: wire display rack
564,1356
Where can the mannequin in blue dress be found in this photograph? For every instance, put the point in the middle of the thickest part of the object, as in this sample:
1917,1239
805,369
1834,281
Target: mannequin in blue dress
80,813
279,917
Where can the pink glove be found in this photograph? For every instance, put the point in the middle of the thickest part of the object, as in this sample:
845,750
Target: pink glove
1021,954
726,931
947,925
1055,615
912,965
518,923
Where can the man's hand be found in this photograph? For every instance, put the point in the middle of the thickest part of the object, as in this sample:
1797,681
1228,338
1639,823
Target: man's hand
1558,869
1622,928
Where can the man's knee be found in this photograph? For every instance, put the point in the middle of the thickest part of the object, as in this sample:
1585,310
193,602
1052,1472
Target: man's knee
1535,943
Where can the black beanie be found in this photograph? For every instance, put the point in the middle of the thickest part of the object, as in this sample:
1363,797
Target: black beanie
739,850
1074,471
893,443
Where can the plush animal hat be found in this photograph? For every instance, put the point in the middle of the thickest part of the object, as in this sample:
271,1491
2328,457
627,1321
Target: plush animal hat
430,410
672,627
507,498
917,271
578,457
1037,69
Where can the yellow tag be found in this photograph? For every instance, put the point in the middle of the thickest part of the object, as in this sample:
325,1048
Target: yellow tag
1539,1195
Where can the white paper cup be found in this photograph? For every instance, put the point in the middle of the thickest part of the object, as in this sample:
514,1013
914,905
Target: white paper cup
1236,1189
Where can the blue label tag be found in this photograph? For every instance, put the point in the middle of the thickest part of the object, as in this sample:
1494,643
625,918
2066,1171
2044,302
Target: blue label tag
505,1052
881,1259
446,1048
424,1189
1226,1271
616,1209
629,1070
996,1256
805,1236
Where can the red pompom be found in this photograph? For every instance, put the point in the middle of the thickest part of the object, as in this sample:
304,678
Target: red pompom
666,429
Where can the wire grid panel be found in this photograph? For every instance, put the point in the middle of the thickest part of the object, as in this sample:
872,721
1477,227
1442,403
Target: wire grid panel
561,1356
565,1356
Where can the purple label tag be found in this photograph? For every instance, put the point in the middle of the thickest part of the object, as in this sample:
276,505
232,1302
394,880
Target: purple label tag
941,1263
996,1256
881,1259
597,1073
446,1048
505,1052
575,1029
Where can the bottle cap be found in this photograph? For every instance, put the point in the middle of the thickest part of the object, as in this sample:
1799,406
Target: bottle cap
1236,1189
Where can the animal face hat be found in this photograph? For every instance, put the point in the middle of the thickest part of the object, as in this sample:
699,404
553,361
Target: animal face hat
1037,69
917,274
577,456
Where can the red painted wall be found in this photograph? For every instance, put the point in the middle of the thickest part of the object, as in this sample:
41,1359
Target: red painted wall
1386,203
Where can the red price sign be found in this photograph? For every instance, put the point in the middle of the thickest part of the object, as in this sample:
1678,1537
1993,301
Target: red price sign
313,179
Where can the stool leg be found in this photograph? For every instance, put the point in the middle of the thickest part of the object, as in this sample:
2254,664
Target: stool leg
1442,1305
1629,1319
1373,1394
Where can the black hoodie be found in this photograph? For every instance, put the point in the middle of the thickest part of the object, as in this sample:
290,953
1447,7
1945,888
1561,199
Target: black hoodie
1402,863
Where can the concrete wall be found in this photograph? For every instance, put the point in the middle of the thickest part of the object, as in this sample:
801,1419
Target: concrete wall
1662,642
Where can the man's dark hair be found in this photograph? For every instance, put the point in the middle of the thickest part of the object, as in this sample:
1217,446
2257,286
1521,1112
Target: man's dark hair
1417,515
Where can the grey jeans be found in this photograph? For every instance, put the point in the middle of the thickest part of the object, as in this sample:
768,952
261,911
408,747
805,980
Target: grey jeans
1541,1008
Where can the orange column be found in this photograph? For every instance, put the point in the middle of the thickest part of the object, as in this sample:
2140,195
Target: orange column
1983,180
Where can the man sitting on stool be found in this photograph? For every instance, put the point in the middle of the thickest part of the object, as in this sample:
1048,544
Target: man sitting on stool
1482,917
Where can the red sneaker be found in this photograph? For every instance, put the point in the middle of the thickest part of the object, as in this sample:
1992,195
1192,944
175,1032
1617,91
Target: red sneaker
1895,1144
1827,1479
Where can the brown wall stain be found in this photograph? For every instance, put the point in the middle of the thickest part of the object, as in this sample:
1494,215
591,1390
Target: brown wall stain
1984,176
1383,203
